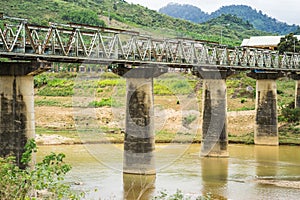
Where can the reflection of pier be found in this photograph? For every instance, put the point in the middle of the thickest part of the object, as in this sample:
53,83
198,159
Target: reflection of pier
266,156
139,59
214,176
138,186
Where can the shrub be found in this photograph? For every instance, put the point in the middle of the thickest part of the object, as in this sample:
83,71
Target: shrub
189,119
40,80
46,176
291,115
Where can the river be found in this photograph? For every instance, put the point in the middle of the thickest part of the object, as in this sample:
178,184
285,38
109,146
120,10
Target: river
251,172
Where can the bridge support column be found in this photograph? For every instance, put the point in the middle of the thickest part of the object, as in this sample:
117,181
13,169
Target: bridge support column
139,142
16,108
266,120
214,113
296,77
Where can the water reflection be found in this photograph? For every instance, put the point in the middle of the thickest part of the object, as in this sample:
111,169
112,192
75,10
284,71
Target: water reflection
138,187
214,176
234,177
267,158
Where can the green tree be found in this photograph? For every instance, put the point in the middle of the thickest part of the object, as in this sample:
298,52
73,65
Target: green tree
289,43
83,17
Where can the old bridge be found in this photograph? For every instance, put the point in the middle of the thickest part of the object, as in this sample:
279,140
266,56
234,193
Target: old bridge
139,58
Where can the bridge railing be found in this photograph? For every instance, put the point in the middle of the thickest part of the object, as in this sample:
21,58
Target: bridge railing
19,39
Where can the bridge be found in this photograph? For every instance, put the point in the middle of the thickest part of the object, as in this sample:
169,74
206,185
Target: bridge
139,58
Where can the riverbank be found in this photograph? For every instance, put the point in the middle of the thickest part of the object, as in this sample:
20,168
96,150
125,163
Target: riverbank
73,108
240,131
56,125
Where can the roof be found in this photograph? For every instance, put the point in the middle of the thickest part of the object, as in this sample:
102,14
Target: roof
264,41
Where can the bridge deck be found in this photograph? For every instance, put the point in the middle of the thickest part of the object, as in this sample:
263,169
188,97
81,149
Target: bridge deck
78,43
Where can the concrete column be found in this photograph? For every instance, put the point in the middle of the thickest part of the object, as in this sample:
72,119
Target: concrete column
296,77
139,142
139,131
214,127
16,108
266,120
297,94
214,114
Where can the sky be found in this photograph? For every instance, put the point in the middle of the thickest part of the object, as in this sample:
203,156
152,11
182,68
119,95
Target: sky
283,10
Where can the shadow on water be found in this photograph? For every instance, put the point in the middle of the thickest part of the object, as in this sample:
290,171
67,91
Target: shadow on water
214,177
138,187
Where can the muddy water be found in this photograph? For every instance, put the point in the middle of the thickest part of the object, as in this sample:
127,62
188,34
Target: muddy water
251,172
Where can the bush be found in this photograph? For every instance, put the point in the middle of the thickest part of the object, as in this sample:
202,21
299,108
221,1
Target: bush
105,102
291,115
188,120
46,176
40,80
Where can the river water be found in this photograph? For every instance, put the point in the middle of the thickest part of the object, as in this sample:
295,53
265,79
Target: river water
251,172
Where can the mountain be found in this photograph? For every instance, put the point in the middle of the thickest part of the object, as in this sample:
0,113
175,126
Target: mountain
187,12
120,14
259,20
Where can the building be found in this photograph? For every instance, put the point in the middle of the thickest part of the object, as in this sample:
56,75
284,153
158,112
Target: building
265,42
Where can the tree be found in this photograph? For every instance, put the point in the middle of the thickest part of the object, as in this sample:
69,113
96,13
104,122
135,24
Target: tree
83,17
289,43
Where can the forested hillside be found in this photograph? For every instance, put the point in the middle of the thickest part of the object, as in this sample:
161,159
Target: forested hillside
259,20
187,12
130,16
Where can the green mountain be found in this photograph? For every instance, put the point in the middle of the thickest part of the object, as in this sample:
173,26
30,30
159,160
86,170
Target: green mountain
120,14
259,20
187,12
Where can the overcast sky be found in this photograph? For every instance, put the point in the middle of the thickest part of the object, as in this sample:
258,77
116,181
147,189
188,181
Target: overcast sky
284,10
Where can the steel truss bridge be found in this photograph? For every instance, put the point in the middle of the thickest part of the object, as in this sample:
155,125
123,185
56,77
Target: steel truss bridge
78,43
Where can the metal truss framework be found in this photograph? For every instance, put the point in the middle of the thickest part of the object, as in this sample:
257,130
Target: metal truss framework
92,44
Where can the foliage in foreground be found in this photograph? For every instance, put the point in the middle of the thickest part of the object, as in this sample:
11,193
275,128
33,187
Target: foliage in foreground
43,181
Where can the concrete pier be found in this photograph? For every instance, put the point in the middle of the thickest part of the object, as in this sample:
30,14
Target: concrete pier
297,94
296,77
214,126
17,123
266,120
139,142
